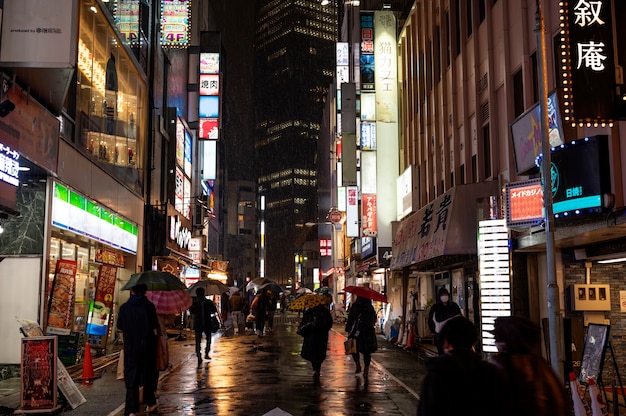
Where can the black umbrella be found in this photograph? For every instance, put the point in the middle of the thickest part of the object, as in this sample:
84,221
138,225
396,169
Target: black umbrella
155,280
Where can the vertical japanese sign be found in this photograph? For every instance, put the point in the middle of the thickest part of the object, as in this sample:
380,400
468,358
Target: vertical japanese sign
591,60
210,81
352,211
366,60
61,304
100,308
38,388
175,23
368,216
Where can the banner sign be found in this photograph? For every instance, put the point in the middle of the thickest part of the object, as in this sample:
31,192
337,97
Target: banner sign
61,302
100,308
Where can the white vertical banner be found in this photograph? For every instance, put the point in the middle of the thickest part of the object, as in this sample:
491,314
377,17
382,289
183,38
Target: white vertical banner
352,211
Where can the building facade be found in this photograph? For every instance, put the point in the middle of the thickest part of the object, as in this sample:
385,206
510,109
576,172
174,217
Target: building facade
293,72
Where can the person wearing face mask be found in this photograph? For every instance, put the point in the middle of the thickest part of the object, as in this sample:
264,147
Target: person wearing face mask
439,314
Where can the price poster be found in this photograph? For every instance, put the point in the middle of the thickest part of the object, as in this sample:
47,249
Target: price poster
101,306
61,306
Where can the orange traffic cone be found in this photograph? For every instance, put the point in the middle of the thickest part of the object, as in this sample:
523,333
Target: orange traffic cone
87,366
410,341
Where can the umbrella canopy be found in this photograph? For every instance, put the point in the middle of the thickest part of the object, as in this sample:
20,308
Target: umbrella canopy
169,301
366,292
303,290
257,283
273,286
307,301
210,286
155,280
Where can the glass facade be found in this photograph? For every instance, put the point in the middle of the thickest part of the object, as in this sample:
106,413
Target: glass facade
110,97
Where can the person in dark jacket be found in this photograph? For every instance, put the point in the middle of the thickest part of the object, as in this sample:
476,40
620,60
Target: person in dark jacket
202,309
460,382
137,319
314,327
360,325
259,307
535,388
439,313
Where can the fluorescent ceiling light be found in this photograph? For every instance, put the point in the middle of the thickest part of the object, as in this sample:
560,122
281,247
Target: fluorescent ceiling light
616,260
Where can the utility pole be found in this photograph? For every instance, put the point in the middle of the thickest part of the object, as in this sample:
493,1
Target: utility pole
554,309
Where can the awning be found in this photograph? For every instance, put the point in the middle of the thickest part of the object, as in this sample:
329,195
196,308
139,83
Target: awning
445,227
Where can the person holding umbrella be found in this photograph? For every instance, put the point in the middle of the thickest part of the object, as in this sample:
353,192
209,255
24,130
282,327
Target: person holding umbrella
137,319
202,310
314,327
360,325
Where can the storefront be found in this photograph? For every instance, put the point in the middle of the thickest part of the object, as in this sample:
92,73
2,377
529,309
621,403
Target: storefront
92,253
436,247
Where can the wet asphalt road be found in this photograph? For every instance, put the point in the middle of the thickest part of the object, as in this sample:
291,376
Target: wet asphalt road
255,376
250,375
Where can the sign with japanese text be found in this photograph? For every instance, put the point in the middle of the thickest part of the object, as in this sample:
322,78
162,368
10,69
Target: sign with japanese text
175,23
591,63
368,216
208,128
102,305
352,211
9,165
209,84
61,303
127,18
209,63
366,60
524,203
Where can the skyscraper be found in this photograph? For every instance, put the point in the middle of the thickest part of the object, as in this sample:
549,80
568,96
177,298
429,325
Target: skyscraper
294,67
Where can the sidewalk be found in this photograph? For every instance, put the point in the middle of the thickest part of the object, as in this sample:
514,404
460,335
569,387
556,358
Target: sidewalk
105,396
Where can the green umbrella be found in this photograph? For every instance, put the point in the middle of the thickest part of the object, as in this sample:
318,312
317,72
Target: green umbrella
155,280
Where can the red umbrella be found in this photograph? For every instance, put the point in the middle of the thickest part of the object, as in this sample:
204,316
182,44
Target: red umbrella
169,301
366,292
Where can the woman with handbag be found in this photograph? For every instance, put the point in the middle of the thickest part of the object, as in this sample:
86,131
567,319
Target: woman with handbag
314,327
360,325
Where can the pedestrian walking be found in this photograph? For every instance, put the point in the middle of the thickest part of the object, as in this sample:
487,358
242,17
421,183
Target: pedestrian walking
314,327
534,387
271,309
439,314
259,310
137,319
460,382
360,325
203,310
235,304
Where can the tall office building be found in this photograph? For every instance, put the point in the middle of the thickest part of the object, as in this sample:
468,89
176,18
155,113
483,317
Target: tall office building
294,67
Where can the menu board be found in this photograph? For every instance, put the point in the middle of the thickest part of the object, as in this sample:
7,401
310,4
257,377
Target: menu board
61,302
593,352
38,368
101,306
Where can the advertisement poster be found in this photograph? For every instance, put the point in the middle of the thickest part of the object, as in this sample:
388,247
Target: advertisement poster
101,306
38,388
62,298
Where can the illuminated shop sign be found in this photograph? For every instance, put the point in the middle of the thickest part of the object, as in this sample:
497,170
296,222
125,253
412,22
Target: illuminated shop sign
9,165
179,233
366,61
495,279
588,62
368,215
127,19
580,176
209,84
208,128
175,23
209,63
209,106
74,212
524,203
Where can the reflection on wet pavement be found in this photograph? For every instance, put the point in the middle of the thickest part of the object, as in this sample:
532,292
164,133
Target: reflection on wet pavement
249,375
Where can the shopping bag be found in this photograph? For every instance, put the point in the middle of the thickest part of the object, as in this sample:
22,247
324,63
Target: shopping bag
120,366
350,345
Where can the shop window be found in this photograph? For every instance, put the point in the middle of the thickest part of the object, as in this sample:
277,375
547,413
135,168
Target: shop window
110,97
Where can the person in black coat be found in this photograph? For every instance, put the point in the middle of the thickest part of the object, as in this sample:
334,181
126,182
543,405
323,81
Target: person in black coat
460,382
439,313
535,388
137,319
360,325
202,309
314,327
